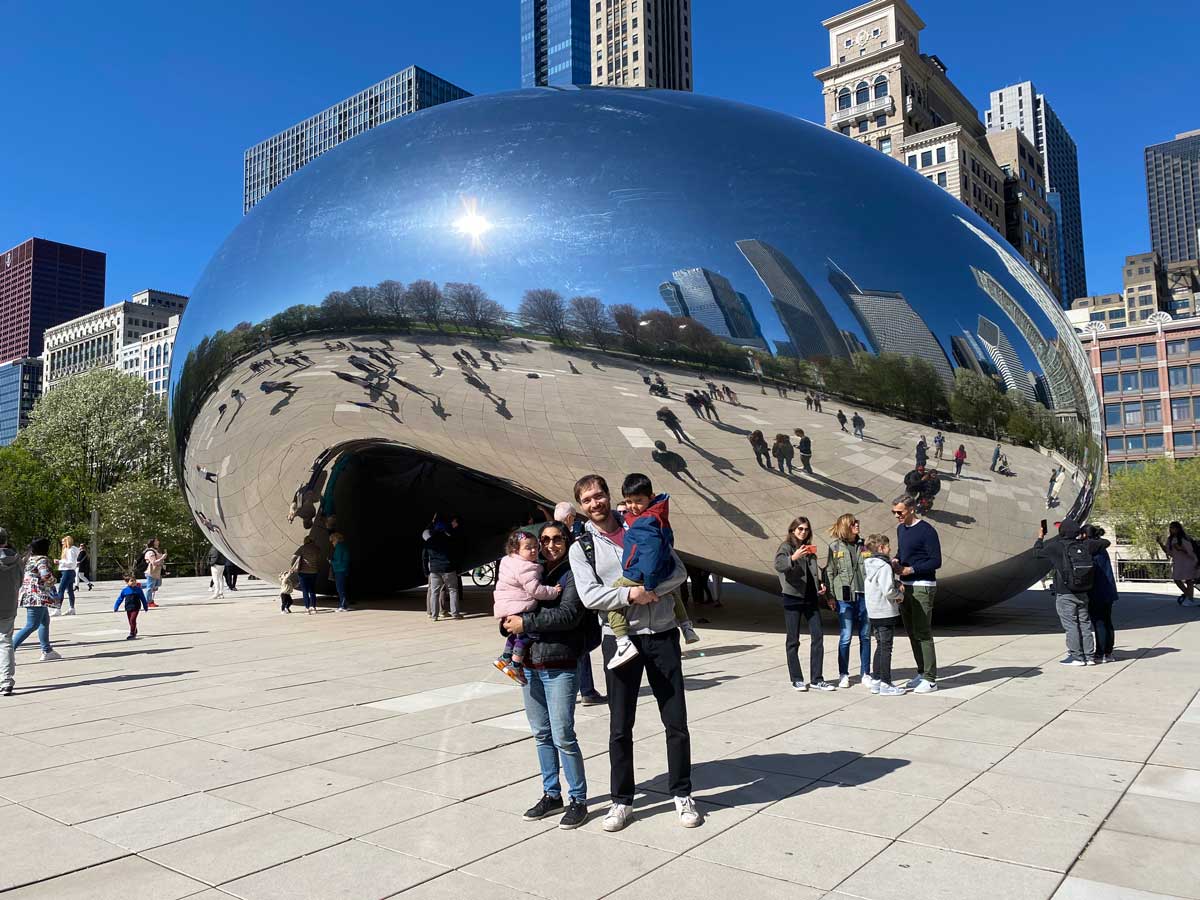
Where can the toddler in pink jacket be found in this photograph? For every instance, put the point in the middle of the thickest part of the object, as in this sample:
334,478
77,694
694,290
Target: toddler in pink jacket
518,590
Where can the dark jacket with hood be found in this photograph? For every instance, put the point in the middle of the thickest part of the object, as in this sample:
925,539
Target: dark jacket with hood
11,572
1055,550
558,623
441,550
646,556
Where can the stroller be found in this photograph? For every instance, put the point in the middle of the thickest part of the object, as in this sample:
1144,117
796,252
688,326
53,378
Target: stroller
1003,468
659,389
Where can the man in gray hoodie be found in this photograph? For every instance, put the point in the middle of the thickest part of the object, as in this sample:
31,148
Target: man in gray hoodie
654,631
10,586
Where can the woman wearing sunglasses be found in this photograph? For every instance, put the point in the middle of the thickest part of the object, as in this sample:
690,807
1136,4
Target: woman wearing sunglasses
803,593
844,575
552,680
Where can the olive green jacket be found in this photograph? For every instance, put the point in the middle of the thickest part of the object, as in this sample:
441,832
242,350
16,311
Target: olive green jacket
844,570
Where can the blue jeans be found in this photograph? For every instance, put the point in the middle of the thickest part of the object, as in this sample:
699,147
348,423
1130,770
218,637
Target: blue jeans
550,708
66,585
152,584
339,581
853,617
308,588
37,618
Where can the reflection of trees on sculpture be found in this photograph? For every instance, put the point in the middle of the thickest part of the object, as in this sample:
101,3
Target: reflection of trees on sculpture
544,311
592,320
902,384
392,301
472,308
425,302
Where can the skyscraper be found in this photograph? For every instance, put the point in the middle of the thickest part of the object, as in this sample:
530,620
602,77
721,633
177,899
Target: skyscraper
673,297
555,45
808,324
43,283
20,386
1173,194
1020,106
964,355
710,299
647,47
1004,357
268,163
890,323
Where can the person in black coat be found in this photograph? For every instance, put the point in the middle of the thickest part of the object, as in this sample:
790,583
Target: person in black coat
1101,598
551,671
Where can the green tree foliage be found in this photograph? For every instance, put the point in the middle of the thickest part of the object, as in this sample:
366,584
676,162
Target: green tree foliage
138,509
1140,502
31,498
976,402
901,384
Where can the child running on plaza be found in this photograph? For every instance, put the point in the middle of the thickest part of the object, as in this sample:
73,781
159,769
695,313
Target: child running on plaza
133,598
883,609
518,590
646,559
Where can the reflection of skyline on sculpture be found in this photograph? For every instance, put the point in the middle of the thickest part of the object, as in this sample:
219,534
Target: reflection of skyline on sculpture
735,240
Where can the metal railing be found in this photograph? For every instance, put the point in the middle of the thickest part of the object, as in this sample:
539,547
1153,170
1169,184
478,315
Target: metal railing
1143,570
874,107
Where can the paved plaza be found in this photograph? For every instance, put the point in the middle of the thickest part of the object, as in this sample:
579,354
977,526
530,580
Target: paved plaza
235,751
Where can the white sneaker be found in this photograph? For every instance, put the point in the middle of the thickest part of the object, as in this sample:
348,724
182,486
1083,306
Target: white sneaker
56,614
51,655
799,686
925,687
618,816
844,681
689,816
876,686
70,612
1072,661
868,681
888,690
912,683
822,686
689,633
625,652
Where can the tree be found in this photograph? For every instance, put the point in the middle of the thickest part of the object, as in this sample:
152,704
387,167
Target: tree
1140,502
425,302
626,318
544,310
473,308
31,498
591,318
392,303
138,509
975,401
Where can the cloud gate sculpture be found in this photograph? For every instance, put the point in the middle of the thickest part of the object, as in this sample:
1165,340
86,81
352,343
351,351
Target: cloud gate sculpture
466,309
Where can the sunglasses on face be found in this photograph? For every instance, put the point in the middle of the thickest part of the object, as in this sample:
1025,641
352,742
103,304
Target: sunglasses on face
899,513
547,541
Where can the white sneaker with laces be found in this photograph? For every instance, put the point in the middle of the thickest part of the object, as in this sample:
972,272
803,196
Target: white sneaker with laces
868,681
799,686
888,690
1072,661
618,816
876,686
925,687
51,655
625,652
70,612
822,686
689,816
912,683
844,681
56,614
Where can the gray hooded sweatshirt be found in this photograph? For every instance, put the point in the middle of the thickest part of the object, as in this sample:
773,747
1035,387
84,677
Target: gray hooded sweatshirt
10,582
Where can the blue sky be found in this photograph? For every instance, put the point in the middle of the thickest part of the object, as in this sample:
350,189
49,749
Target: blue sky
125,121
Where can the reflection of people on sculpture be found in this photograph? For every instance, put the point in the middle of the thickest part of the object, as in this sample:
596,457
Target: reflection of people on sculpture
709,407
208,476
784,452
858,423
304,501
762,451
571,366
484,388
805,448
803,591
428,357
923,485
659,390
808,399
671,461
667,416
841,419
922,453
960,457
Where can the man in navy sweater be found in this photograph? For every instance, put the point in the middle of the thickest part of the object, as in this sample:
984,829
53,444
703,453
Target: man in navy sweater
919,556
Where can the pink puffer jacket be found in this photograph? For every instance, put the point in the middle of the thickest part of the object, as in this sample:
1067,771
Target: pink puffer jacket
518,587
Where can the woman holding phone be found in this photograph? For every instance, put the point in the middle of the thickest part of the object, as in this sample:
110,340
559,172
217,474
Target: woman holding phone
802,593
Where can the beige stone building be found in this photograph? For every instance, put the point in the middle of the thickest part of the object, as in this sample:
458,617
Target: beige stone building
1105,309
1145,286
1028,218
1183,284
880,89
642,43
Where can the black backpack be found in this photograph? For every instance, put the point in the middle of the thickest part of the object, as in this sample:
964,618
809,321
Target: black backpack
591,621
140,565
1080,569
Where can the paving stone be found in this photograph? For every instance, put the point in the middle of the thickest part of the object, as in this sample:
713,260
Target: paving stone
904,871
65,849
370,808
162,823
128,878
882,813
687,877
1169,783
291,788
1145,863
458,834
1173,820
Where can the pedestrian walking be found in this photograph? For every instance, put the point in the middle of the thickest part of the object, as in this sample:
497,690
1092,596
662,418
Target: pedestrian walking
10,589
922,453
596,563
83,566
68,562
802,591
133,599
1101,598
695,404
841,420
784,452
883,608
858,423
1071,555
960,457
710,408
995,457
153,557
919,556
1181,550
1057,477
805,449
762,451
216,567
939,445
339,563
844,576
667,416
38,596
565,630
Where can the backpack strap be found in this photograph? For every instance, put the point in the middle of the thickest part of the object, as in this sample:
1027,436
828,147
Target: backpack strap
588,543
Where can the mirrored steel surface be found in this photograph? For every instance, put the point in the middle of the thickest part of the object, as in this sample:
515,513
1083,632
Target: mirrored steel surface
300,394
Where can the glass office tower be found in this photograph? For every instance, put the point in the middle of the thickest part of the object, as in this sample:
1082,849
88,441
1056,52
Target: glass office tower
555,42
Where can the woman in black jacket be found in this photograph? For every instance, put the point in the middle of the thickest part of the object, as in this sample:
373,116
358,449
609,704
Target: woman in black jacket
803,590
553,681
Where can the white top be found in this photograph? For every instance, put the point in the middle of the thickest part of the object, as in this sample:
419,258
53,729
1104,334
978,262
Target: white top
70,560
879,584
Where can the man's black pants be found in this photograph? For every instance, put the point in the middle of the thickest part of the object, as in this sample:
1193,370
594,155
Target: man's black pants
659,658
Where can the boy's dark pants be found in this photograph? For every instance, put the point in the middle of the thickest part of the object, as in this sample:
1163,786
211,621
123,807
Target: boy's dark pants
131,615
